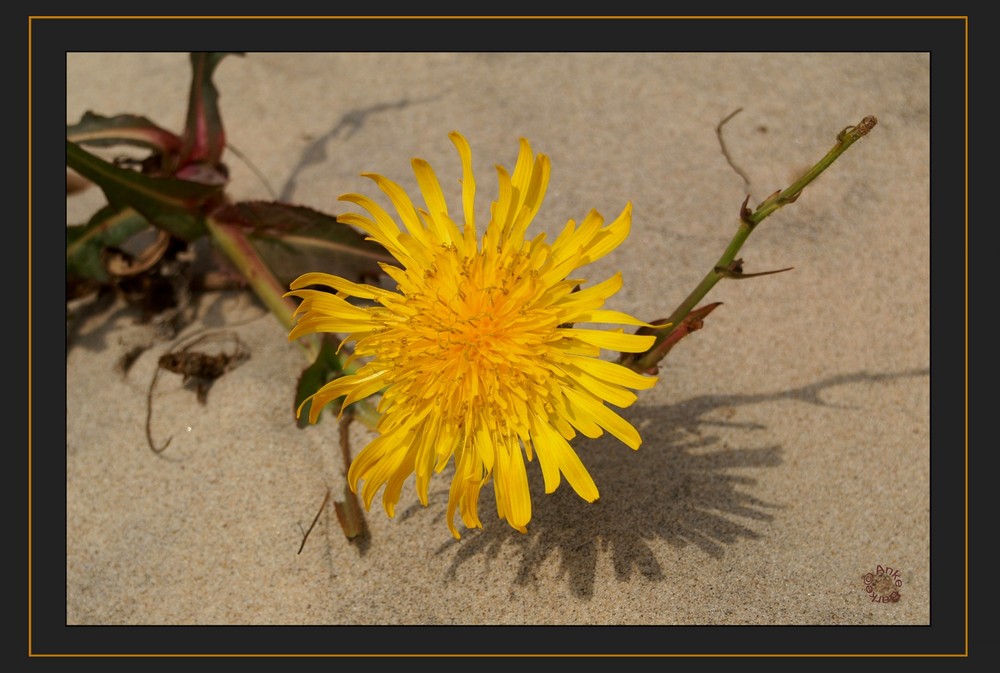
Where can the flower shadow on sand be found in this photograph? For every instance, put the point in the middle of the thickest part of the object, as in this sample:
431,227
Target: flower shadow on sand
694,488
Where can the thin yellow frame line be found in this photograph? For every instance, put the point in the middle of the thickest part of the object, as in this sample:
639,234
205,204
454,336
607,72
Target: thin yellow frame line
30,358
508,655
514,16
966,336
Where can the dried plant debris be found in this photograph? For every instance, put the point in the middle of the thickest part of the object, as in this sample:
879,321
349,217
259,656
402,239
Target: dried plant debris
160,284
725,152
350,516
162,291
305,534
199,369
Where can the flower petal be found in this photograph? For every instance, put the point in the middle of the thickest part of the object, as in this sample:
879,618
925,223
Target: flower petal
468,181
556,449
611,340
604,417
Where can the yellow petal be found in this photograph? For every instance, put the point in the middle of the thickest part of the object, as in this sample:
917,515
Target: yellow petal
609,392
604,417
519,497
437,208
407,213
610,237
615,341
468,181
613,372
558,451
610,317
590,298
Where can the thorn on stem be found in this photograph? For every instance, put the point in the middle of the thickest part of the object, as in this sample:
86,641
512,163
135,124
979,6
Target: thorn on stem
734,270
693,322
746,213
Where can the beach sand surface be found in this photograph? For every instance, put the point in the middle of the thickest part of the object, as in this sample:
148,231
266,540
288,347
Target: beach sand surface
786,448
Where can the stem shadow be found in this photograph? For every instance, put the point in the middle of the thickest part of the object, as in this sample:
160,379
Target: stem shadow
349,123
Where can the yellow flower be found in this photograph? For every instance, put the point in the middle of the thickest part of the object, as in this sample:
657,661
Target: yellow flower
475,353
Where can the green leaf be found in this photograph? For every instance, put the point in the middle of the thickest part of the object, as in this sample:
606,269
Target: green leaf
171,204
204,138
324,369
85,243
295,239
125,129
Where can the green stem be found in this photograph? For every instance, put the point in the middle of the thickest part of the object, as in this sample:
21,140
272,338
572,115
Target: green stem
241,253
727,266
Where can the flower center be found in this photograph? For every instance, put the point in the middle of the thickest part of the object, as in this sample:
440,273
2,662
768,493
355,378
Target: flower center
476,338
